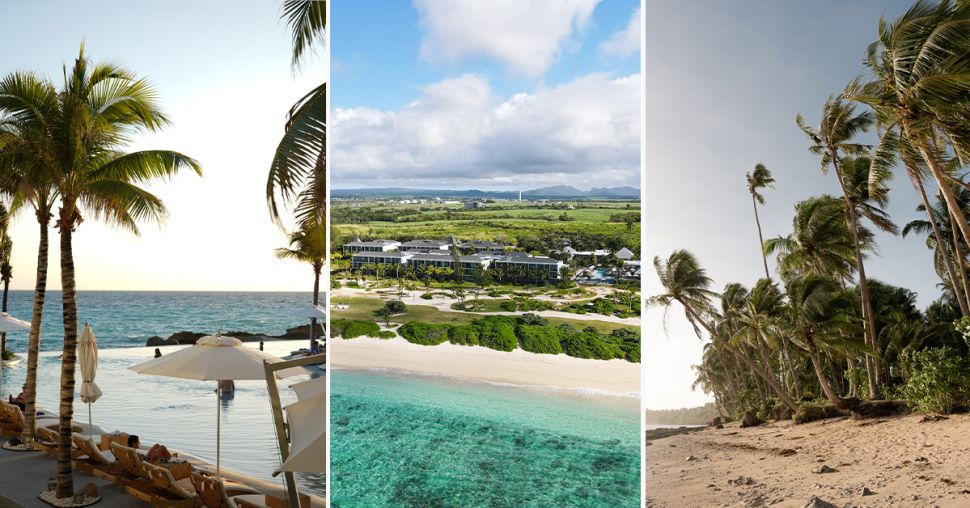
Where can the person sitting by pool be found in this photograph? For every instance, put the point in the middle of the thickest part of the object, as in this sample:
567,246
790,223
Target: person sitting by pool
315,347
21,400
157,453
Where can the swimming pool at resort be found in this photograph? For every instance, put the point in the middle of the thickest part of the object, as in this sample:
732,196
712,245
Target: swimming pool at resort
176,412
403,440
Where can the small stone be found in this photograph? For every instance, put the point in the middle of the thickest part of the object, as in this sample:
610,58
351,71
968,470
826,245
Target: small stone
691,458
866,491
921,458
825,469
817,502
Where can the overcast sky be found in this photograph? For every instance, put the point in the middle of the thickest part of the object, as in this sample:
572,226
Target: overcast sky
505,94
724,81
223,72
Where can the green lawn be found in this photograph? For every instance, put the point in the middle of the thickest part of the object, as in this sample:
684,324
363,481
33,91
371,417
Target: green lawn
363,309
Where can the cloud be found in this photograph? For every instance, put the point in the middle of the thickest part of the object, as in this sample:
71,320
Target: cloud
626,42
525,35
458,132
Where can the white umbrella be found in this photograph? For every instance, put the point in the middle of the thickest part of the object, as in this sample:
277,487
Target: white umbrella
214,358
9,323
87,353
307,419
311,388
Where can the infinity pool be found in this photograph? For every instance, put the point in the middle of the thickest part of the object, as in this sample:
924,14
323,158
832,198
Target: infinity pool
178,413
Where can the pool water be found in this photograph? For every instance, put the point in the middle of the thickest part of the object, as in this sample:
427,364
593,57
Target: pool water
178,413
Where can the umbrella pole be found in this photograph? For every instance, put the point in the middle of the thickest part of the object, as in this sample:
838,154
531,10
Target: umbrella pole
89,420
218,434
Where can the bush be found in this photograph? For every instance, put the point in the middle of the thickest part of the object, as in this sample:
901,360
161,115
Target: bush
463,335
427,296
386,334
426,334
355,329
337,326
497,332
533,319
395,307
509,305
629,342
353,284
937,380
334,284
589,344
540,339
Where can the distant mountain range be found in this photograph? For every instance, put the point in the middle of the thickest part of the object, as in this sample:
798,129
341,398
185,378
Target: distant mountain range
553,192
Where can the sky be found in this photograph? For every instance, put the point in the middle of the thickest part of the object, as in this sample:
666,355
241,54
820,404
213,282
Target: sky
223,73
497,95
724,81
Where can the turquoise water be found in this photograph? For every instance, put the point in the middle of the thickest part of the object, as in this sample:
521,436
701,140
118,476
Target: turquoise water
178,413
400,440
129,318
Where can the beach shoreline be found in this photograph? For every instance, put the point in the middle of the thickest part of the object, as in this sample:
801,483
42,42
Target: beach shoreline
618,379
903,462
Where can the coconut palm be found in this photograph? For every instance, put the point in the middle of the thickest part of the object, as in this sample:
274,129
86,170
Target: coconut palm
28,113
943,239
296,175
6,270
759,179
832,140
820,241
919,88
99,107
309,245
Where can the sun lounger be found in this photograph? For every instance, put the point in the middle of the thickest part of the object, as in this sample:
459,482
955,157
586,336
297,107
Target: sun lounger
214,493
92,460
16,420
171,493
132,475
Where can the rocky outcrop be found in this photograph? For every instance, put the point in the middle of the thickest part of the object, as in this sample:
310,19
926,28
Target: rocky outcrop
750,420
186,337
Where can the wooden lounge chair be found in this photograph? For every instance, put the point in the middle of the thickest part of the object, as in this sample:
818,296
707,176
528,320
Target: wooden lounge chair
47,440
214,493
17,421
171,493
92,460
131,472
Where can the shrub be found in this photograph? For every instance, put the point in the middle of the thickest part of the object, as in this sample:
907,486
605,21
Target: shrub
533,319
463,335
937,379
337,326
426,334
427,296
355,329
386,334
629,342
395,306
353,284
540,339
334,284
509,305
497,332
589,344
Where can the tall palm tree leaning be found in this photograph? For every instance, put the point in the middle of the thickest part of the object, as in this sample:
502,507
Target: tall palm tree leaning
28,113
99,107
757,180
297,174
309,245
832,140
918,90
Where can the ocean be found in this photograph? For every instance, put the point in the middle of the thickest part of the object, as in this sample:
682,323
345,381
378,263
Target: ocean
175,412
403,440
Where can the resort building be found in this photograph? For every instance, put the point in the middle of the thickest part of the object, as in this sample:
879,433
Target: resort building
427,245
365,258
625,254
469,265
480,246
519,267
585,254
371,246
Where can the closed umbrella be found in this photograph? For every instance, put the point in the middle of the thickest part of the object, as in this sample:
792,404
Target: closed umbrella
9,324
307,420
87,353
214,358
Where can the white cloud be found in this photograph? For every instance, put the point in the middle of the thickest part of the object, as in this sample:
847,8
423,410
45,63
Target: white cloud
458,133
626,42
525,35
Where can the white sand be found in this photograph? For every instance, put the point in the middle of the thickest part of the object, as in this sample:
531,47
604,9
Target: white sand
618,378
903,462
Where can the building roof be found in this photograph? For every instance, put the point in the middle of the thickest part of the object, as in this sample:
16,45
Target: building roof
483,244
535,260
437,244
372,243
624,253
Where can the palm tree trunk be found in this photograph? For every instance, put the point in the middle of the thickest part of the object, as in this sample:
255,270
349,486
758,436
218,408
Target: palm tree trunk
823,381
960,260
960,296
951,202
761,239
873,366
36,319
3,336
316,301
65,480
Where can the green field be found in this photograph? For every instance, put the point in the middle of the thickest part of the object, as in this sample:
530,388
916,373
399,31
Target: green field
506,222
363,309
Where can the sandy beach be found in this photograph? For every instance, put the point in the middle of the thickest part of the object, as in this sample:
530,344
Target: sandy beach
618,378
908,461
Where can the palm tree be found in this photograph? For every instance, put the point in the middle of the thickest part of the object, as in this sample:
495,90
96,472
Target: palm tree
6,270
309,245
820,241
296,174
28,113
832,140
757,180
918,88
98,108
